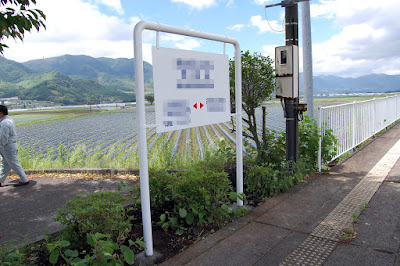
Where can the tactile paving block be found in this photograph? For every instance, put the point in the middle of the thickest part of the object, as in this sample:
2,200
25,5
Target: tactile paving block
313,251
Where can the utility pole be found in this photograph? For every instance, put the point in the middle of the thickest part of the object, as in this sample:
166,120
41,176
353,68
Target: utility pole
291,104
307,58
287,81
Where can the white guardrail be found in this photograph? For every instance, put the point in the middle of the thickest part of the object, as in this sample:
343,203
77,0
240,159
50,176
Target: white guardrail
354,123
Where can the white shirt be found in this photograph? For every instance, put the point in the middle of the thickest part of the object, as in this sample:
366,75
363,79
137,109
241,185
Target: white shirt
8,131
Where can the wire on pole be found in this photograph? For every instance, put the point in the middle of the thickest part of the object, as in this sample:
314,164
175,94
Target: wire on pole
286,3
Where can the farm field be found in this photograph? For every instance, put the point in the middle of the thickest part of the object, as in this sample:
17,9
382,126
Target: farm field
110,138
117,131
28,117
113,136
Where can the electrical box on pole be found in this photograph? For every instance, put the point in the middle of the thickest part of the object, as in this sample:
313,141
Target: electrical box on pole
287,71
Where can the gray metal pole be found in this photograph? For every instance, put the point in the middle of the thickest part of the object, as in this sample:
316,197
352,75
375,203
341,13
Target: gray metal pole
307,58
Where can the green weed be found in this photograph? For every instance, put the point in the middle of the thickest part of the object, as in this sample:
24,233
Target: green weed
102,251
347,234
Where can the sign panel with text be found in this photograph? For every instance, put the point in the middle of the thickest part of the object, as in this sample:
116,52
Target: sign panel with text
190,88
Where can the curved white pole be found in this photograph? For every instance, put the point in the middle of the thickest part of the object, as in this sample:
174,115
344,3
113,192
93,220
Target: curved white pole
140,112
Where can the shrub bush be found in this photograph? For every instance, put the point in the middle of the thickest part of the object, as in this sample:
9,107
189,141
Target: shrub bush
309,135
273,150
94,213
261,182
187,200
267,172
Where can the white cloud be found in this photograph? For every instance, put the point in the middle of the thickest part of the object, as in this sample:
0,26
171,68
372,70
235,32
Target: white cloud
265,25
368,41
230,3
104,48
113,4
172,37
79,29
189,44
197,4
269,50
237,27
324,8
262,2
180,41
352,10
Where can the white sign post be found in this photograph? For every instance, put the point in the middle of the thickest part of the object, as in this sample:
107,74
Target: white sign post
189,81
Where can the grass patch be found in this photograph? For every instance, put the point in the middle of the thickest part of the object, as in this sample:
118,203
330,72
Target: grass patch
346,99
38,116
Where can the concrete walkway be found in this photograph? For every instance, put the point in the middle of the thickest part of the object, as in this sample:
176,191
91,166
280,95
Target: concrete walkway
303,226
26,213
299,227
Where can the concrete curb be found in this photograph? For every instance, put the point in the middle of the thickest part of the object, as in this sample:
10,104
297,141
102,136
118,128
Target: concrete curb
104,171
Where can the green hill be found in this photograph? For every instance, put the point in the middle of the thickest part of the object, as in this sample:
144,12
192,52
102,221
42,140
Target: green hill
60,88
118,73
71,79
11,71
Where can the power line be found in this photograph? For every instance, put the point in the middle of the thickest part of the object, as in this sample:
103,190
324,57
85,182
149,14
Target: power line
283,22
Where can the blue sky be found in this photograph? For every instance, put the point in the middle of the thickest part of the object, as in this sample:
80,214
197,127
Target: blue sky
350,38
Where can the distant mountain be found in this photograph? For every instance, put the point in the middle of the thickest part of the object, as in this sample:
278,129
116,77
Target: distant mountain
118,73
71,79
373,83
11,71
56,87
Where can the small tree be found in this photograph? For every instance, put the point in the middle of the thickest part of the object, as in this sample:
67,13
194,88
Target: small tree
90,102
257,86
14,21
150,98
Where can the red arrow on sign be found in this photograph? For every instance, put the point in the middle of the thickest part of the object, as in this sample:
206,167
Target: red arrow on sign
201,105
195,105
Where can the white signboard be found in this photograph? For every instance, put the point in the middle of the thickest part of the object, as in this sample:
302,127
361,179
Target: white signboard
190,88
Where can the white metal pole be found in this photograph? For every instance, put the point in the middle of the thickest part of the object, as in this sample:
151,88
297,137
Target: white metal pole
307,58
395,103
374,118
398,107
142,139
239,128
354,126
320,138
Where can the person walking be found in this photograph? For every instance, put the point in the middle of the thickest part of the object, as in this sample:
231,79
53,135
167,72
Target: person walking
9,149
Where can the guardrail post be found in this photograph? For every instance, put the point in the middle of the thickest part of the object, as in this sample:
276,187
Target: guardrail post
374,119
386,113
320,138
395,117
354,126
397,109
